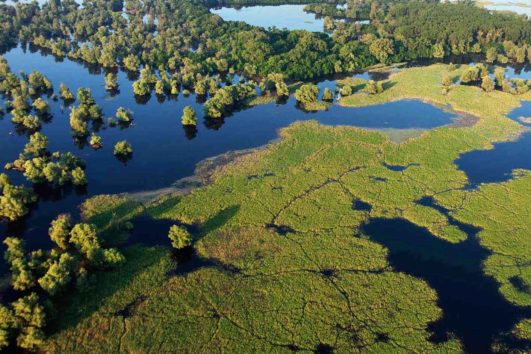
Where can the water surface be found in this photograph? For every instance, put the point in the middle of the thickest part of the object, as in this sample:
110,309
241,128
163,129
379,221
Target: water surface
291,17
497,164
163,151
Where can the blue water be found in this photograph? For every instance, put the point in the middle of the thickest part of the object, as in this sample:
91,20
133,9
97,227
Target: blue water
291,17
163,153
497,164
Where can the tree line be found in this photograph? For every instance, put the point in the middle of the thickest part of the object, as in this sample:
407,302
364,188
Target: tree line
182,43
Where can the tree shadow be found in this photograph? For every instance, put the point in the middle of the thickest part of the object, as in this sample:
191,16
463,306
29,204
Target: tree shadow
388,84
141,252
218,220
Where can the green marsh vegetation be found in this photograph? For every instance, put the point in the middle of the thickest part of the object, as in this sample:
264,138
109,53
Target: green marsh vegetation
286,262
283,262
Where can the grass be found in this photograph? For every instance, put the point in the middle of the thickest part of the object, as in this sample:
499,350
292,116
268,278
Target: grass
315,106
277,231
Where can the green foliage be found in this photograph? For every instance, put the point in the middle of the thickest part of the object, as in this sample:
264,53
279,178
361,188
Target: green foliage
228,98
307,182
95,141
123,148
381,48
58,274
345,90
65,93
111,82
189,116
84,238
29,321
41,106
307,93
487,84
14,200
40,166
374,87
59,231
180,237
447,81
78,177
39,82
328,95
124,115
141,88
84,97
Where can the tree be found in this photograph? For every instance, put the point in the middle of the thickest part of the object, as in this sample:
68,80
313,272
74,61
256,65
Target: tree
180,237
328,95
58,274
65,93
491,55
77,123
282,89
520,54
374,87
346,90
131,63
78,177
7,324
14,200
141,88
85,98
328,24
95,141
189,116
84,238
307,93
29,319
59,231
381,48
499,75
111,82
487,84
124,115
447,81
438,51
123,148
471,74
41,106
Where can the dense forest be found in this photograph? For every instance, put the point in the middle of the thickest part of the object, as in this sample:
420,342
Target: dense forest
186,42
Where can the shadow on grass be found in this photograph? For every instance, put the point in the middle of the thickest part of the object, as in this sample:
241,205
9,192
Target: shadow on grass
218,220
147,250
79,305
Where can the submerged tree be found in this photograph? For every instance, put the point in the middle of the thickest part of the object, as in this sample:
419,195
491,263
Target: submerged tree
123,149
111,82
14,200
189,116
65,93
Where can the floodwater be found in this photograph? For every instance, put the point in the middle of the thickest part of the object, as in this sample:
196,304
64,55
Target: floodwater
163,150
